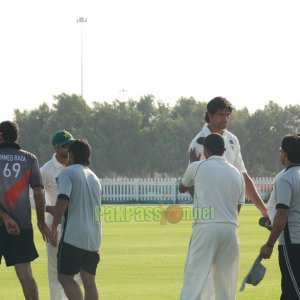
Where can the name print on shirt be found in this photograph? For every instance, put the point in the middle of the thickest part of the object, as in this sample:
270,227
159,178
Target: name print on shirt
9,157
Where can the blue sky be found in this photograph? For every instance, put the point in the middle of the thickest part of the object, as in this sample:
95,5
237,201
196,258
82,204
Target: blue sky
246,51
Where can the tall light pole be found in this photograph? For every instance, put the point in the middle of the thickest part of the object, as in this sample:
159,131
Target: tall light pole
81,20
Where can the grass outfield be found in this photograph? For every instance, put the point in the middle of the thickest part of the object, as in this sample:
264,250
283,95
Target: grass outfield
145,260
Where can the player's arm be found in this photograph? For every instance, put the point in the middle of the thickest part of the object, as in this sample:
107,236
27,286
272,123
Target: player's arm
253,195
279,223
10,224
46,182
241,200
251,191
60,208
187,181
239,208
39,200
50,209
3,214
184,189
194,155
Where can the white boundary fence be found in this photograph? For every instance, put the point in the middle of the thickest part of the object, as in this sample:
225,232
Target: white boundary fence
159,190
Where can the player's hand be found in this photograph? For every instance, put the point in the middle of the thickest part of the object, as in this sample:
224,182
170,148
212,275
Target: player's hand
268,223
50,209
53,236
266,251
265,222
264,212
194,156
45,231
11,225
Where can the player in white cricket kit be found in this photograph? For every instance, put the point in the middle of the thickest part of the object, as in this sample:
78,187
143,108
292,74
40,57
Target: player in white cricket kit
217,117
219,191
50,171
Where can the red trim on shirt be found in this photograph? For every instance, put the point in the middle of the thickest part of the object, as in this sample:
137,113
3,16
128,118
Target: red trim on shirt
12,195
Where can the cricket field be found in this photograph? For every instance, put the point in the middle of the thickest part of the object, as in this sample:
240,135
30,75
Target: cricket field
143,255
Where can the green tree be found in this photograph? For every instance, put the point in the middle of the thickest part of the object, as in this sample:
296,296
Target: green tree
148,137
264,134
35,131
147,109
70,112
116,131
237,125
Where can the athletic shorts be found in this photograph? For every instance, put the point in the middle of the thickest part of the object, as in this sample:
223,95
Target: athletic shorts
17,249
71,259
289,262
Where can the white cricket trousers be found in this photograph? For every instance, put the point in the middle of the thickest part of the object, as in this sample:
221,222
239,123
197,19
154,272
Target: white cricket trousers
56,289
214,248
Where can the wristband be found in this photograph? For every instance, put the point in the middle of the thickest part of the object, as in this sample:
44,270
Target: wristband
269,245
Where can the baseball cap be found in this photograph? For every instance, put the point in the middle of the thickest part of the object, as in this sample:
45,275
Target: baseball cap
62,137
214,142
255,275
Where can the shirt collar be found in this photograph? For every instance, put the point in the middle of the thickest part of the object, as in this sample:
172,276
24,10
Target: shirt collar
217,157
56,163
207,131
9,145
295,165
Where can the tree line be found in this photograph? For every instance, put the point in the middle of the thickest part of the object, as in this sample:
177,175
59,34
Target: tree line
147,137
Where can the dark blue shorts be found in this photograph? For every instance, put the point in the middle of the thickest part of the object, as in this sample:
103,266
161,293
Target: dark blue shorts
71,259
289,262
17,249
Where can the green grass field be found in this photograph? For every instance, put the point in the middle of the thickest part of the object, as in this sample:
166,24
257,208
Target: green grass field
145,260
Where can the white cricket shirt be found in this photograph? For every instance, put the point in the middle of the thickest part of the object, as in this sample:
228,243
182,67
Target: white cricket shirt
233,150
219,188
50,171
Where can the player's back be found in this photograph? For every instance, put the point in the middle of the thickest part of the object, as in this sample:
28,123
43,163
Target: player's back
16,167
84,189
220,185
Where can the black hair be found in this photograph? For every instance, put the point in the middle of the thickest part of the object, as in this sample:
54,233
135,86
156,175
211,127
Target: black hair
9,131
291,146
215,144
217,103
81,152
216,151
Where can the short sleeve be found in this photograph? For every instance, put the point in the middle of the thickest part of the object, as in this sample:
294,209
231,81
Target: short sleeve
189,175
283,192
242,197
64,183
45,176
35,178
239,163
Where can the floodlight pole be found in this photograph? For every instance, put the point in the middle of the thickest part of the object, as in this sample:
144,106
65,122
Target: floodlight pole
81,20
